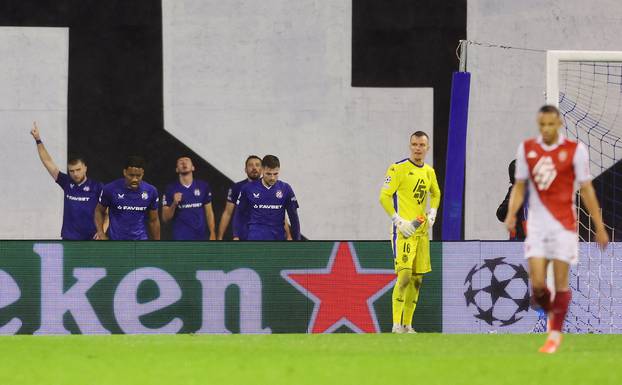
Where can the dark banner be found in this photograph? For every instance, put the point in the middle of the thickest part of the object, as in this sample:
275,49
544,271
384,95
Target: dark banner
209,287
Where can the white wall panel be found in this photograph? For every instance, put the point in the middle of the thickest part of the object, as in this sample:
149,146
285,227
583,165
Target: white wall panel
33,86
258,77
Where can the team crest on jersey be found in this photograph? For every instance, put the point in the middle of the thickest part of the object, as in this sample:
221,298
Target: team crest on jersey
544,173
144,195
86,188
197,192
532,154
279,194
563,155
419,192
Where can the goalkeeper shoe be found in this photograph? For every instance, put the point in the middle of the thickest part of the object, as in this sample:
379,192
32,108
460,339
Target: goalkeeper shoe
398,329
409,330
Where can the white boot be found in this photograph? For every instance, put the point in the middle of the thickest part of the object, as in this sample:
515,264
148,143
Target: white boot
409,330
398,329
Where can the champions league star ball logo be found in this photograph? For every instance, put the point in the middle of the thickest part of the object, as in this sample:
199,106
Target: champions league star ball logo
498,292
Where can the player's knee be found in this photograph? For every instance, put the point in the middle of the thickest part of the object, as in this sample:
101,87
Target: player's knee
561,283
538,289
537,283
403,282
416,281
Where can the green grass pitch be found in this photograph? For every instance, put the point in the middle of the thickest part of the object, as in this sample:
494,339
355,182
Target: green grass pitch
308,359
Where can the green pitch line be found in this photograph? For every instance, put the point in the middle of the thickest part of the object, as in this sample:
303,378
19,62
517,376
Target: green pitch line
424,359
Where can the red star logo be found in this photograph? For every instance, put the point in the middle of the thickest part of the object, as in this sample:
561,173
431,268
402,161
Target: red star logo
343,292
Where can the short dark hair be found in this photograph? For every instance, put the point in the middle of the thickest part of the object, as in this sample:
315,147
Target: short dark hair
135,161
185,156
548,109
75,159
419,134
250,157
270,161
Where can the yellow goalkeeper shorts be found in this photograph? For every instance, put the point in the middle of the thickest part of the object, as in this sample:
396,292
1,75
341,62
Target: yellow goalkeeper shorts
412,253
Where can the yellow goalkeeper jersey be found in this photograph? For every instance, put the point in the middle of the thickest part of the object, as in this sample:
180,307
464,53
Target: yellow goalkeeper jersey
406,190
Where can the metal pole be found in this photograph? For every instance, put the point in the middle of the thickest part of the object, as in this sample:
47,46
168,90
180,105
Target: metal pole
462,48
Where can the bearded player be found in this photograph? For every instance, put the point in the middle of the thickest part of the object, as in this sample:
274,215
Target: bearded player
550,165
408,186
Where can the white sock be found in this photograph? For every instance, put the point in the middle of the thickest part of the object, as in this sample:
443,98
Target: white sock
555,336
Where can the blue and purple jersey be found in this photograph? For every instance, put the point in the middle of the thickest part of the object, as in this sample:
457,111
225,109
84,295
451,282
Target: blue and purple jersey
265,208
189,221
232,196
79,207
128,209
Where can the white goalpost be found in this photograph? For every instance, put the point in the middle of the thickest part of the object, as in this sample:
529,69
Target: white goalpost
587,88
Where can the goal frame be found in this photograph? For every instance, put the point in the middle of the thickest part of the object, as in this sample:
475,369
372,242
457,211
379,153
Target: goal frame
554,57
553,60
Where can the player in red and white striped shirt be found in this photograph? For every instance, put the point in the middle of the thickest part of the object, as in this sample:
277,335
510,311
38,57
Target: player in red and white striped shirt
549,166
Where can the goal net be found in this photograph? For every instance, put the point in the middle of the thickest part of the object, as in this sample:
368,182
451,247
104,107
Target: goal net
587,88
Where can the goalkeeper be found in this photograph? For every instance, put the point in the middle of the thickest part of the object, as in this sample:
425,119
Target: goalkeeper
404,196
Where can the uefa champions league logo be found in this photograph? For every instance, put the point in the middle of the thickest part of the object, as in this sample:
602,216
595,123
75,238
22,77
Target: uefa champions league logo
497,292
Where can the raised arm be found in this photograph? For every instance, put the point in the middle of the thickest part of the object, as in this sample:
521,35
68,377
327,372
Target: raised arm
45,157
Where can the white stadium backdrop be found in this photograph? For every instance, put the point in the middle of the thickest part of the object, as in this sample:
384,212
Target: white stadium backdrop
508,86
274,77
33,86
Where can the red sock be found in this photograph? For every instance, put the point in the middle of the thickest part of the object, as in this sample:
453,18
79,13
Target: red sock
559,309
543,298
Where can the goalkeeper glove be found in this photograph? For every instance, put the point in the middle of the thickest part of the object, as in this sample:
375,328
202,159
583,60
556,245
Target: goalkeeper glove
405,227
431,216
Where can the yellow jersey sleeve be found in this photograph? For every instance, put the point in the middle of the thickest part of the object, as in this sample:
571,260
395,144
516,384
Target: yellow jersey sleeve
391,183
